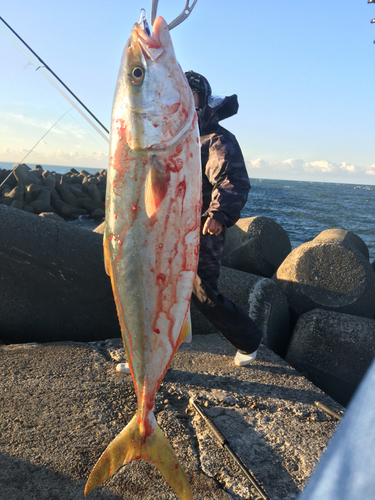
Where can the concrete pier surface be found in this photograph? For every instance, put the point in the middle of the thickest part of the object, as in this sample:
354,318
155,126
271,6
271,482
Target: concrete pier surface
62,403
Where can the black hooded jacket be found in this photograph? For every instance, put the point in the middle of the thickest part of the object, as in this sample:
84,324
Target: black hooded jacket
224,175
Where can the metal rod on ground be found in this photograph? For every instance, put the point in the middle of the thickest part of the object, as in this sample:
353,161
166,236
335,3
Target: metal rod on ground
325,408
224,443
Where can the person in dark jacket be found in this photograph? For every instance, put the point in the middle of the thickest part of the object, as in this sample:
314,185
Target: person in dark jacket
225,187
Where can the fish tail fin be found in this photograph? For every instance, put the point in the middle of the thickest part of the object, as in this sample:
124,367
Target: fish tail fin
128,446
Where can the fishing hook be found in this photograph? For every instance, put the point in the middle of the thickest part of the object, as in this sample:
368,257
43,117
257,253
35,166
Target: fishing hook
143,22
179,19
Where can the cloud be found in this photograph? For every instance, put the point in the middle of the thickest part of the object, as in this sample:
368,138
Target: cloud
303,169
68,127
19,119
85,158
319,166
371,170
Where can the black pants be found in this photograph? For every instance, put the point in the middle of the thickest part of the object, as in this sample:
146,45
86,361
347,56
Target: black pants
229,319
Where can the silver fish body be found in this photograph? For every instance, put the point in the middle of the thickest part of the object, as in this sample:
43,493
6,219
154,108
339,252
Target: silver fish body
151,240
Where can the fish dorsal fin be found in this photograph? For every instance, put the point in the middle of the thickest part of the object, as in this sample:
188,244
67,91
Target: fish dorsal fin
157,183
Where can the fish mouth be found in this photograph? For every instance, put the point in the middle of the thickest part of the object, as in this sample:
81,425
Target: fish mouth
151,46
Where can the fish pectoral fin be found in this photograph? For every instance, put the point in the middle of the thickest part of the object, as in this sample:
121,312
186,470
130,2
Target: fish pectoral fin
186,330
157,183
129,445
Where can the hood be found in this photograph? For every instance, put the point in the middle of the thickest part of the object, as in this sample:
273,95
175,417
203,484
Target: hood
214,108
218,109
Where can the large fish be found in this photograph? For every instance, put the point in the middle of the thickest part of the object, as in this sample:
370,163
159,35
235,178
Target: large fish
153,209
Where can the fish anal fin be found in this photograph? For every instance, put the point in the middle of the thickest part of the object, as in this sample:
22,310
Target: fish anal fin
157,183
107,256
128,446
186,330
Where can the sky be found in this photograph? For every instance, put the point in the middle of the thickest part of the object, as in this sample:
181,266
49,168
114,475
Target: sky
304,73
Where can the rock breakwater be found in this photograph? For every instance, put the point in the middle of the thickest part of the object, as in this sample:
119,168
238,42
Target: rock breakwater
55,287
68,195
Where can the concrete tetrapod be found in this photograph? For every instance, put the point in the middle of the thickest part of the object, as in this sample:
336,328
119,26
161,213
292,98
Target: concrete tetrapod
333,350
260,298
69,195
330,272
256,245
54,286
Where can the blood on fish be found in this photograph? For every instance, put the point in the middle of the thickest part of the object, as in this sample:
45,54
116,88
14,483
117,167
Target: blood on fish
181,190
162,239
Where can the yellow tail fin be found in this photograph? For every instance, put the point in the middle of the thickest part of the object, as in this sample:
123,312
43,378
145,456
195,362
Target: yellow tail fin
129,445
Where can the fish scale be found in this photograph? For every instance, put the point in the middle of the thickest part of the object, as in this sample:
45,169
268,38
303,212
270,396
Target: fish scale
151,239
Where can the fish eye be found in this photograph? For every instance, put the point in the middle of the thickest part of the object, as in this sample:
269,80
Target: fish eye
136,75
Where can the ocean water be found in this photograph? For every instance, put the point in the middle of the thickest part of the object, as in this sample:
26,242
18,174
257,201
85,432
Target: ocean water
303,209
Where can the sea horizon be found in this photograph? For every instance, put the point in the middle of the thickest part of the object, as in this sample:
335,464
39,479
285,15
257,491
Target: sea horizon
303,208
61,169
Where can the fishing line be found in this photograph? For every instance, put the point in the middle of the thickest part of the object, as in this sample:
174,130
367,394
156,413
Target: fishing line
53,83
59,102
32,149
53,73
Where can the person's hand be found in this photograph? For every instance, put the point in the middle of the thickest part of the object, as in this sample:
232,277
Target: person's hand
212,226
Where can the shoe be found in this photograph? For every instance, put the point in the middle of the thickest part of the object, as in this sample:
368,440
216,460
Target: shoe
123,368
245,359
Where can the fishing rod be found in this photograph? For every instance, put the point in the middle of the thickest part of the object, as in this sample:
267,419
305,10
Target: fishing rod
53,83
